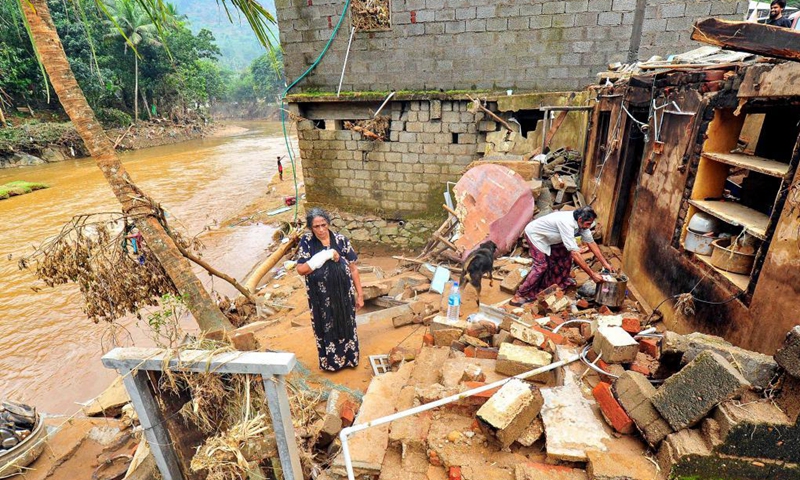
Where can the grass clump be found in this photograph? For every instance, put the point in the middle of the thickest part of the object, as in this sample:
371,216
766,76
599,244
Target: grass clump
19,187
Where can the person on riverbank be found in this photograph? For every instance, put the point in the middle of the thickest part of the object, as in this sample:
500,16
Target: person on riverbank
551,240
328,263
280,168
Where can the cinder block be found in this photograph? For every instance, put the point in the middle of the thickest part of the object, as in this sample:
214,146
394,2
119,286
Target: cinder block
759,369
516,359
634,393
615,345
788,356
688,396
510,411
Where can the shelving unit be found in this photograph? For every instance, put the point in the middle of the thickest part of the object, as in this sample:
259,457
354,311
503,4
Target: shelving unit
757,164
741,281
754,222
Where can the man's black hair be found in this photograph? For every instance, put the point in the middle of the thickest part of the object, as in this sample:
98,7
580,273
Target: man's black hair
584,214
780,3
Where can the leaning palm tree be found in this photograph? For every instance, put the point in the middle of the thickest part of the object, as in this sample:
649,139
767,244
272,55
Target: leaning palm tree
51,54
131,23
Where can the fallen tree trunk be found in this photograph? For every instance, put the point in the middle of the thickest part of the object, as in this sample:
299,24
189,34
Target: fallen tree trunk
252,281
750,37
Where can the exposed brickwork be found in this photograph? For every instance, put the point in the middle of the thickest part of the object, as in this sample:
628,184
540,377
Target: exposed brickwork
540,45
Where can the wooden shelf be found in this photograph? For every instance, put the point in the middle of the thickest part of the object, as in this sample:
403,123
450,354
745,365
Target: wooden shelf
741,281
754,222
757,164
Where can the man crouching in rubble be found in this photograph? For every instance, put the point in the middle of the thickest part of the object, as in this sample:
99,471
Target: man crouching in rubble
551,239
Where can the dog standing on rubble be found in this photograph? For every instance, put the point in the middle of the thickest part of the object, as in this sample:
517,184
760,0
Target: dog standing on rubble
479,263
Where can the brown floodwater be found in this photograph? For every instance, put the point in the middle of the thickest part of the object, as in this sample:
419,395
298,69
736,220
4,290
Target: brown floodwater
49,351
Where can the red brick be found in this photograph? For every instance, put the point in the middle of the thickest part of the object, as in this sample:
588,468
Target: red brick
604,310
454,473
427,339
650,347
640,368
348,413
472,385
556,338
631,325
433,458
582,303
612,410
481,352
244,342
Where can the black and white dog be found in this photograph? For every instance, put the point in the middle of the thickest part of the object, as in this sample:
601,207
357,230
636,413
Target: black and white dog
479,263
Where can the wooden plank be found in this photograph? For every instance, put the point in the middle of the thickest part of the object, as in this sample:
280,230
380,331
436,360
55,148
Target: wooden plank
258,363
750,37
751,220
757,164
764,81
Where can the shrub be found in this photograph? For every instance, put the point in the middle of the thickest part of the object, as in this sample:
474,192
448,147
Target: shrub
111,117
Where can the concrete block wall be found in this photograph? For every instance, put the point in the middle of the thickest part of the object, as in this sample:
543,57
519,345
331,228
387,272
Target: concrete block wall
536,45
667,25
403,177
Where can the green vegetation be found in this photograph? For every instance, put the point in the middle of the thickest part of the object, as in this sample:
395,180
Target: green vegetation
19,187
34,135
127,67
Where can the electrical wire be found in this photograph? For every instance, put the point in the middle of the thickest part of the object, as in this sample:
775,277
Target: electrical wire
283,102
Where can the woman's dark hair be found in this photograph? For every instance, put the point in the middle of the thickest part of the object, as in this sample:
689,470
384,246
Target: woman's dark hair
314,213
584,214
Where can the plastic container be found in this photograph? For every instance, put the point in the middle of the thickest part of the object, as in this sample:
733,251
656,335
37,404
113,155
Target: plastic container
454,303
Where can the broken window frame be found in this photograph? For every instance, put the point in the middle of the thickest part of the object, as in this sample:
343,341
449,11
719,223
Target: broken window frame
709,160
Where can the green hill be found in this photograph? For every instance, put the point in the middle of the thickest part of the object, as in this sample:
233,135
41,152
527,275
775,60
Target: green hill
236,41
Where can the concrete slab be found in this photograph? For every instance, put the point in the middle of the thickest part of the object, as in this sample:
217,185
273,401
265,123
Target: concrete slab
428,364
368,447
759,369
570,424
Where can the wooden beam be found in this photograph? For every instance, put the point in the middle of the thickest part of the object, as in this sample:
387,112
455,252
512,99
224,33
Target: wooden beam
750,37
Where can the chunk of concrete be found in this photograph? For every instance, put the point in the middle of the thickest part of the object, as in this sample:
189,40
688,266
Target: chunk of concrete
688,396
757,428
441,322
634,392
570,425
455,369
687,444
526,334
516,359
615,345
759,369
605,321
514,279
110,402
446,336
618,466
510,411
533,433
427,367
788,356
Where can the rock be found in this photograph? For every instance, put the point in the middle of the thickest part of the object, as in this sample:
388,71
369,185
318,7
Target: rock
514,359
788,356
509,412
615,345
20,159
51,155
686,397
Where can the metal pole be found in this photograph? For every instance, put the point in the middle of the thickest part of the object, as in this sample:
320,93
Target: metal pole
438,403
383,104
346,54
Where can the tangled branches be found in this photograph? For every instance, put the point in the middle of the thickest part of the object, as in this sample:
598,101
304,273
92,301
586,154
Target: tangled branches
370,14
114,277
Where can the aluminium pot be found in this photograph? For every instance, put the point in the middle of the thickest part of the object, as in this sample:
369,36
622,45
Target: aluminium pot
612,293
698,243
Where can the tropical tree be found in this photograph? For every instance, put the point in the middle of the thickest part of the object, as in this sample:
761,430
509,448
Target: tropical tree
135,27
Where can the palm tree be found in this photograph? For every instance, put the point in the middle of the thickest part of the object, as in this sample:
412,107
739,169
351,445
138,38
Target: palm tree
131,23
51,52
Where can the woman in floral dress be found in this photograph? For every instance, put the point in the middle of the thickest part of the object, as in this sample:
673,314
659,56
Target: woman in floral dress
328,263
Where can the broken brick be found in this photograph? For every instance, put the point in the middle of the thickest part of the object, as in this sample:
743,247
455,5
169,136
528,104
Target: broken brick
244,342
399,354
612,411
427,339
649,346
510,411
347,413
454,473
433,458
446,336
582,303
631,325
480,352
604,310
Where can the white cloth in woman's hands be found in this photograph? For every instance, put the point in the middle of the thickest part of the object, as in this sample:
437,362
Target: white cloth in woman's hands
319,259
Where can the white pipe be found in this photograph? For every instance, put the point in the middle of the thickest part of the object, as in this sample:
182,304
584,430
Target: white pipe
645,332
574,320
347,54
383,104
438,403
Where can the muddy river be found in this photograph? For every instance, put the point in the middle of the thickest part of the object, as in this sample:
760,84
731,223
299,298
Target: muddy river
49,350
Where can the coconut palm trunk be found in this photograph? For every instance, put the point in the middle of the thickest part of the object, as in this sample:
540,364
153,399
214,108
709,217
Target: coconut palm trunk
135,87
48,44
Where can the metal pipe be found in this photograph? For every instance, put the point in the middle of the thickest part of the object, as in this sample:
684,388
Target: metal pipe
438,403
344,66
383,104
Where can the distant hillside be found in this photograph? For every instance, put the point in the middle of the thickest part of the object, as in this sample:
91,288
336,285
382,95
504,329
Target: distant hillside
237,42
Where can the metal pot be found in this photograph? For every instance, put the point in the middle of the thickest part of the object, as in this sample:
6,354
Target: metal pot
726,259
702,222
612,293
699,244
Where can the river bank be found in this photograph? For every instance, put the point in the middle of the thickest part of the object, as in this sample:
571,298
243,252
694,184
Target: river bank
37,143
